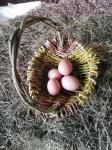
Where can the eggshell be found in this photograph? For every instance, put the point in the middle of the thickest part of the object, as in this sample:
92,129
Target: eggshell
65,67
70,83
54,74
53,87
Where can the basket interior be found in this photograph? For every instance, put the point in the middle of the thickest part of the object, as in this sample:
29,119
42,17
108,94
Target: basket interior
41,72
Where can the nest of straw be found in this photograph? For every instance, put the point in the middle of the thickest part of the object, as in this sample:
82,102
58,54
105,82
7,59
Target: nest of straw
84,60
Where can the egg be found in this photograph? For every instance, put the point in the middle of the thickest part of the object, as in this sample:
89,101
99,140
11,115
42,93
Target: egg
53,87
70,83
54,74
65,67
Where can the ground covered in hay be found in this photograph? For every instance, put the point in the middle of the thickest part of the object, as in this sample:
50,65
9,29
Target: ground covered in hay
21,128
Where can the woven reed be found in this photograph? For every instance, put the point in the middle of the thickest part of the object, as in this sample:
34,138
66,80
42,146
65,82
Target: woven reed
85,64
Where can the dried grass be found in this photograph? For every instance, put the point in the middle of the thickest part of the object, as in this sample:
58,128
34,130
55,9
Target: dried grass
90,129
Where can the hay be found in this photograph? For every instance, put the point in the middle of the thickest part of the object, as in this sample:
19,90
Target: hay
22,128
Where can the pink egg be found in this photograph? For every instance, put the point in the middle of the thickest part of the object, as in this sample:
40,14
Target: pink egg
65,67
70,83
53,87
54,74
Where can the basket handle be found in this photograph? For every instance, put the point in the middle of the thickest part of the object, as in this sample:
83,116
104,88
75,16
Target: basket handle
14,42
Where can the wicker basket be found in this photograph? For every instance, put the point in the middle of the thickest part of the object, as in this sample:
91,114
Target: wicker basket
85,64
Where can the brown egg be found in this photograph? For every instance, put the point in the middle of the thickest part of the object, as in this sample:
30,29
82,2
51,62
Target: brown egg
65,67
54,74
70,83
53,87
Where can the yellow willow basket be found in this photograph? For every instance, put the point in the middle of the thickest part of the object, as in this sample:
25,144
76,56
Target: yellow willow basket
85,67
